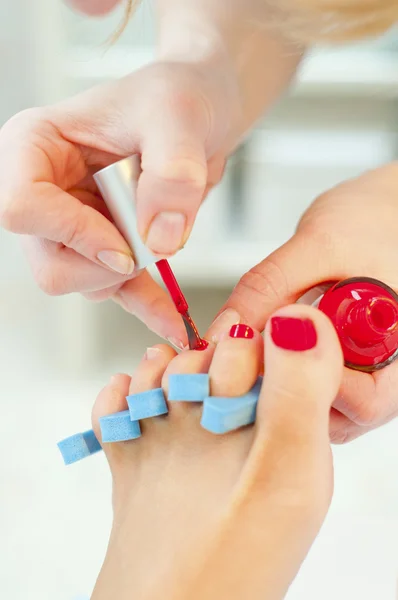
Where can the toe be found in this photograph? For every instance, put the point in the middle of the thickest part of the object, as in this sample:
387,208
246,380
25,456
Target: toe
146,400
303,370
236,362
111,400
186,366
150,371
188,362
303,373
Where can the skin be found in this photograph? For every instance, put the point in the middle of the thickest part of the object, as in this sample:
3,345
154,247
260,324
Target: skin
349,231
198,515
184,115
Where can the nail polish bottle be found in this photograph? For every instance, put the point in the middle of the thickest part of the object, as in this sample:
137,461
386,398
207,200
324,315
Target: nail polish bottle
118,184
364,312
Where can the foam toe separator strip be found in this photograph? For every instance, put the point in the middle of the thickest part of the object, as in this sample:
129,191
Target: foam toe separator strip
221,415
146,405
79,446
118,427
189,387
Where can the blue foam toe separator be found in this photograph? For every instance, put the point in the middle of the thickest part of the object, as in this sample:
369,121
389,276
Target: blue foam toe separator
189,387
146,405
221,415
79,446
118,427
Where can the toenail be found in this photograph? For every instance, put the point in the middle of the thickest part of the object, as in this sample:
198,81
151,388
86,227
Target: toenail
291,333
242,332
223,323
152,353
176,343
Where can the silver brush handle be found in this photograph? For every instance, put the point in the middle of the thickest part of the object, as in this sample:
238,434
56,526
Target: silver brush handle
118,184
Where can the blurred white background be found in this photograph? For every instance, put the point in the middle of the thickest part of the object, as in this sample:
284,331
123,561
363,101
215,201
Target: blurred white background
56,353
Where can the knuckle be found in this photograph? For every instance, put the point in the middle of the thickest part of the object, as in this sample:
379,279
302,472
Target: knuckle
10,214
366,414
341,436
21,126
50,278
76,229
23,118
366,411
266,280
320,232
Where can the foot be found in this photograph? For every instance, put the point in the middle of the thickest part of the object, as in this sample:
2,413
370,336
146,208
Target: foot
201,516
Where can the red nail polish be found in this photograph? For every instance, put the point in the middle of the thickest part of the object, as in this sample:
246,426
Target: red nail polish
241,331
195,342
364,312
292,333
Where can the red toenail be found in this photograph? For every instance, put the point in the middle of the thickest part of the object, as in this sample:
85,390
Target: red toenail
241,331
293,334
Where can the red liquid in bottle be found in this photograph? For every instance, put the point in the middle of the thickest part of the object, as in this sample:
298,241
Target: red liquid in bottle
364,312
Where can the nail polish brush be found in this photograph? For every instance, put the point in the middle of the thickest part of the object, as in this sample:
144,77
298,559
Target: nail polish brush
117,184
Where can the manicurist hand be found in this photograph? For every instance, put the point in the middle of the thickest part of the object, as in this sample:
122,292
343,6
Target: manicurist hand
165,112
349,231
181,114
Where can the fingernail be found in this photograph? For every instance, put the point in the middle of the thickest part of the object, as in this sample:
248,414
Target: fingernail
176,343
292,333
222,324
241,331
152,353
113,380
166,233
117,261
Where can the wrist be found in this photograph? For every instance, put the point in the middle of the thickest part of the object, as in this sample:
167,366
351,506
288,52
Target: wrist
250,63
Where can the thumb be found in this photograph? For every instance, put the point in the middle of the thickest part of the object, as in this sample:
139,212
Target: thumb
281,278
175,177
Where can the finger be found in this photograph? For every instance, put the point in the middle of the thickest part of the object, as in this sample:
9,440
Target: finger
174,175
236,362
102,295
33,197
94,7
342,430
369,400
283,277
59,270
145,299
